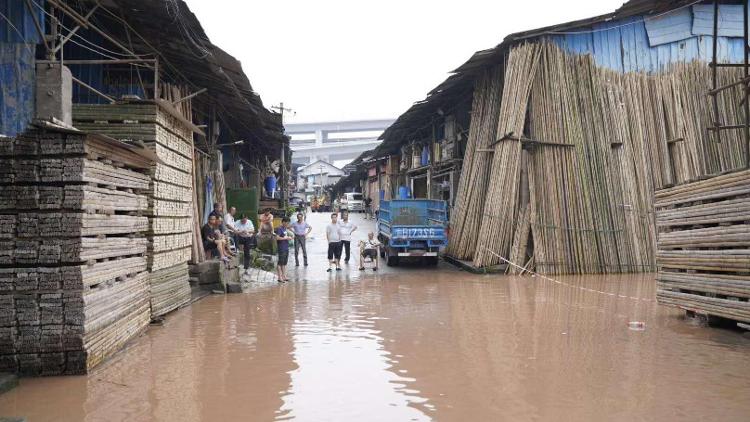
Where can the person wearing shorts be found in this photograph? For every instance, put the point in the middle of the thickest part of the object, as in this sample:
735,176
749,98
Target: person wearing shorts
282,243
334,244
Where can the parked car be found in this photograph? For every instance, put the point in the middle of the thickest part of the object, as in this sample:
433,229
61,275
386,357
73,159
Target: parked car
353,202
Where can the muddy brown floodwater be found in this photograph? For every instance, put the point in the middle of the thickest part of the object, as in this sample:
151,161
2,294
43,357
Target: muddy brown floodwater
412,344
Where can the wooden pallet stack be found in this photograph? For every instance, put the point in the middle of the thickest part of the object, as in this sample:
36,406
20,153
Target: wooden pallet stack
704,246
73,279
170,197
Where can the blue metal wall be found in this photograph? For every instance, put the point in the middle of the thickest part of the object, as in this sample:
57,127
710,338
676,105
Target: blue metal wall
625,46
18,39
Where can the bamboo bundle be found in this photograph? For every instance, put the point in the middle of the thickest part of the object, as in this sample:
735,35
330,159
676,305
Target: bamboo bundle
495,228
472,186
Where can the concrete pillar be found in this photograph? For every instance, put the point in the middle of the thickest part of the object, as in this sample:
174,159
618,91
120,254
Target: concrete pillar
320,136
54,93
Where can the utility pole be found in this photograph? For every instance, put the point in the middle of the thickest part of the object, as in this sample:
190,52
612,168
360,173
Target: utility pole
284,174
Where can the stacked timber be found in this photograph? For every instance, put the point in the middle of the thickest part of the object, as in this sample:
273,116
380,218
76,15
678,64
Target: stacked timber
170,195
73,279
704,246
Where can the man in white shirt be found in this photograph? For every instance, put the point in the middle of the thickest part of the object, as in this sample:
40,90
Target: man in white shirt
334,243
245,236
229,220
346,228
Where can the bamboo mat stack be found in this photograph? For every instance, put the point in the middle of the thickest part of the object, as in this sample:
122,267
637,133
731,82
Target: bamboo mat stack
73,279
704,246
570,190
171,192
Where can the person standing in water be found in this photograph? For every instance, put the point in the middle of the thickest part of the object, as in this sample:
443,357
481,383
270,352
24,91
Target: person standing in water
334,244
346,228
301,229
282,243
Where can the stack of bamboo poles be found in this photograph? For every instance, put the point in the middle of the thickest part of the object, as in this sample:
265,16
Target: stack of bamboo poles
501,204
585,205
472,186
704,246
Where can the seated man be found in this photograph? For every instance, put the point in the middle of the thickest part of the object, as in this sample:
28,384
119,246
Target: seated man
245,232
229,221
369,248
213,242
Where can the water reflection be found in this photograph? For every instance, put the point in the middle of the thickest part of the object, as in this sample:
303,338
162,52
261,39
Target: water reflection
345,370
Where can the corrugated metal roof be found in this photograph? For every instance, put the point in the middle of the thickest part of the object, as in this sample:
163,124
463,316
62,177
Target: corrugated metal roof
187,57
23,29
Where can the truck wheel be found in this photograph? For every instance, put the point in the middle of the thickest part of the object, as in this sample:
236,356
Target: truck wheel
431,261
391,260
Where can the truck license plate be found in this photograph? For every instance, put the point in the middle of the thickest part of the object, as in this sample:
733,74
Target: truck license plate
413,233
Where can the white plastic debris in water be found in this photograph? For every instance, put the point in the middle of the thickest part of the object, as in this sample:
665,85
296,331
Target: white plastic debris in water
637,325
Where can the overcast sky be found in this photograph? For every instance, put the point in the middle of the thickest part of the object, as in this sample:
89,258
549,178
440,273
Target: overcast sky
354,59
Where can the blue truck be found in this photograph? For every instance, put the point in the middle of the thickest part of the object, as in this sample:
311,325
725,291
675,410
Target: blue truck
412,228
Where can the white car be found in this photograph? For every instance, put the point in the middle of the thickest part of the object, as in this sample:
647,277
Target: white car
353,202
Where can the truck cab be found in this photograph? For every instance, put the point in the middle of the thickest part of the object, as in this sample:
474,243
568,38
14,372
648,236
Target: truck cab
353,202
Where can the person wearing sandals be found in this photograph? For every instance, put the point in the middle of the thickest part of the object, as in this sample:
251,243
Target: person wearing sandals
334,243
346,228
282,243
369,248
213,242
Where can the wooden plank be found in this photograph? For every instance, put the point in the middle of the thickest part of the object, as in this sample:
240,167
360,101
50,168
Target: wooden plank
169,289
81,277
168,225
163,260
70,224
162,208
170,242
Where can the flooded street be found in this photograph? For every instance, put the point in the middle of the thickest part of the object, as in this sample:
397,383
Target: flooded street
409,344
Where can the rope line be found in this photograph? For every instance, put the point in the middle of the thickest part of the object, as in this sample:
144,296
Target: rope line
568,284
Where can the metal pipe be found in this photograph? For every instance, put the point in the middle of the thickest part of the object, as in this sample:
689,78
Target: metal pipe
714,69
156,79
79,19
74,30
70,12
38,26
102,61
717,90
187,97
94,90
